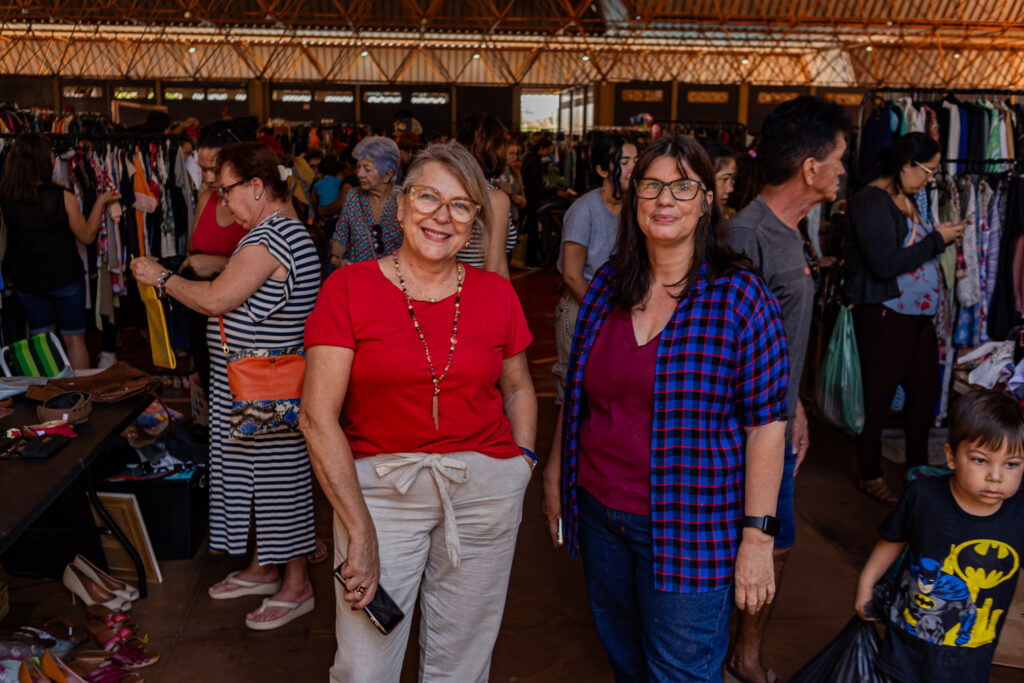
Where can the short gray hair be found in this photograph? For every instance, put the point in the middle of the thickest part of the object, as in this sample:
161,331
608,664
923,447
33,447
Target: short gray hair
383,152
461,164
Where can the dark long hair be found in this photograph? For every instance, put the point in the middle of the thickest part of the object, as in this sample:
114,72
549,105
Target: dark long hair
711,243
485,137
606,153
919,147
29,163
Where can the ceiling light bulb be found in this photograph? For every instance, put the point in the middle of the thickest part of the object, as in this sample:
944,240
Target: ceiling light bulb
365,53
869,48
476,56
586,58
744,61
956,55
191,49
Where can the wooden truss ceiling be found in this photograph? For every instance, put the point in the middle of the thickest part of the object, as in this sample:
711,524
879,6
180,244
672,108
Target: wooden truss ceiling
551,43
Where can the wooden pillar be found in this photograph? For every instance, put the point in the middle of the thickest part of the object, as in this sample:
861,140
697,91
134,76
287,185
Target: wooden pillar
517,107
743,113
455,112
58,94
604,104
674,104
359,103
259,100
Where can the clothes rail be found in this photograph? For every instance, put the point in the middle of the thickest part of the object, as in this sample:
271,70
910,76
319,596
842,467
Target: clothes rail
917,92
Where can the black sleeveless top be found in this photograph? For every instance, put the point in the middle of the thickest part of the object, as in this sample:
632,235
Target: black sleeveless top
41,252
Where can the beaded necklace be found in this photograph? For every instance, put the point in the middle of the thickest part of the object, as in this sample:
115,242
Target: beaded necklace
416,323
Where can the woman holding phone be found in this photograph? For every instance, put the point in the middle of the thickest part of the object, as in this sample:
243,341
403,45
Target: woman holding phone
422,357
894,283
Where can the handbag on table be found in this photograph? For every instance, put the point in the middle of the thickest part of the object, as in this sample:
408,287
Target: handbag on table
265,387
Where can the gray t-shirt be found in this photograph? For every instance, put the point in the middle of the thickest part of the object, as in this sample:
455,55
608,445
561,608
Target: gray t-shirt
589,222
778,251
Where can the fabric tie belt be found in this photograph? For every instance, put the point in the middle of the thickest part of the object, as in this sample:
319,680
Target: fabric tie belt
441,467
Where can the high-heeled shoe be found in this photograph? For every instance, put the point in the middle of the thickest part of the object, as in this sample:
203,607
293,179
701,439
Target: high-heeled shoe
125,590
57,670
90,592
29,672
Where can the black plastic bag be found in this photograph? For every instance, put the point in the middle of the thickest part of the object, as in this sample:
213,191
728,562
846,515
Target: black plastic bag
849,658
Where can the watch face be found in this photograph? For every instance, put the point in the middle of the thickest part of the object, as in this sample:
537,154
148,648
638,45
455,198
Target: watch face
772,525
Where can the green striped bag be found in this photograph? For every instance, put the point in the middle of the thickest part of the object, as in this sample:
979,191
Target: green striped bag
38,356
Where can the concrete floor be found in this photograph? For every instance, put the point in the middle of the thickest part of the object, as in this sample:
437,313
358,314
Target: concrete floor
547,635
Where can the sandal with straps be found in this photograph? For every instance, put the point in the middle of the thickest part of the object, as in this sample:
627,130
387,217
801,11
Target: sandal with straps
99,615
877,489
106,672
129,650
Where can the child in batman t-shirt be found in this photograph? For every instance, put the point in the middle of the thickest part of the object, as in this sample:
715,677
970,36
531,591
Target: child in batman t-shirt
965,535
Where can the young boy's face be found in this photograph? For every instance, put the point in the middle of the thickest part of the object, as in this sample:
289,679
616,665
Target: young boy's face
984,477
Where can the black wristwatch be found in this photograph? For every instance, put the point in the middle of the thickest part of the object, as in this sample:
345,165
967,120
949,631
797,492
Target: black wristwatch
768,524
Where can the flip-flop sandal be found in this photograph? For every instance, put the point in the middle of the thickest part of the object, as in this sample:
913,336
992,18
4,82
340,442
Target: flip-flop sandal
295,610
318,555
242,587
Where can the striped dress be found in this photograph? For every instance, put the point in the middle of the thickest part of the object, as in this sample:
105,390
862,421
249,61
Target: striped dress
270,475
474,253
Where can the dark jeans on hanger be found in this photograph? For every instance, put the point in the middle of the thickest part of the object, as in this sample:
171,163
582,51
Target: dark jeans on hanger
896,350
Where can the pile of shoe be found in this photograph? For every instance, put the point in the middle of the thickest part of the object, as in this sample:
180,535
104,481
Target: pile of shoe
123,650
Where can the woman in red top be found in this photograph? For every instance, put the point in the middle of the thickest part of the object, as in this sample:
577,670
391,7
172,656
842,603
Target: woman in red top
423,358
215,234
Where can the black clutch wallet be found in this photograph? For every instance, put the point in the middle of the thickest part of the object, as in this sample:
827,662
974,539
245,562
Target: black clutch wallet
382,611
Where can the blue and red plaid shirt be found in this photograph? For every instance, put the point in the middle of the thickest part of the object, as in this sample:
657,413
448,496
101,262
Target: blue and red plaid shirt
722,366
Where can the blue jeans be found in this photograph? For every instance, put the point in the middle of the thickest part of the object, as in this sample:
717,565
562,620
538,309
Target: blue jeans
61,309
649,635
784,509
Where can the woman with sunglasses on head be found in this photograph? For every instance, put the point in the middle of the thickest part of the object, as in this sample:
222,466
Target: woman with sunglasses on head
894,283
422,357
264,295
673,427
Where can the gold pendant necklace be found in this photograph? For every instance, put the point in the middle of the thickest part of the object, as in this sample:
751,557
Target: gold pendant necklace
426,348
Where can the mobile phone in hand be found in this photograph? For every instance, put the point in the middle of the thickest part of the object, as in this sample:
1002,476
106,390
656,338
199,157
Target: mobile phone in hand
382,611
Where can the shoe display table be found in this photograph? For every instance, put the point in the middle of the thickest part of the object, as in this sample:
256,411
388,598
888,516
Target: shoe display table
29,487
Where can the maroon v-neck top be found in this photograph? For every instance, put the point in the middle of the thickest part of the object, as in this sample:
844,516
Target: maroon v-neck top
615,432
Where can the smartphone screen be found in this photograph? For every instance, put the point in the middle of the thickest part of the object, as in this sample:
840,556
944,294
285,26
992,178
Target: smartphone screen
382,611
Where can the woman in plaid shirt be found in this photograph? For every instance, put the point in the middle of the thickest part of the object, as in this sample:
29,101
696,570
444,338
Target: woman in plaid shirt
673,428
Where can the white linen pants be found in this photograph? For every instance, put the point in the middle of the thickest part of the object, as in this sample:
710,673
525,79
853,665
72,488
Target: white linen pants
448,539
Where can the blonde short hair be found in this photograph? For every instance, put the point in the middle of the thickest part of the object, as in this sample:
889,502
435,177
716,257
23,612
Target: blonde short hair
461,164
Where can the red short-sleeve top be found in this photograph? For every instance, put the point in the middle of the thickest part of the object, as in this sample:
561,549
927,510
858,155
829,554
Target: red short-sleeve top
210,237
389,398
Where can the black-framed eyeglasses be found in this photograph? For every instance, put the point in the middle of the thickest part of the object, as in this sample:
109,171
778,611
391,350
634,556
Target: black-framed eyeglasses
428,200
681,190
224,190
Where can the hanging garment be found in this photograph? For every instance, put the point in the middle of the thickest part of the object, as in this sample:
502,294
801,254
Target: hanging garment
968,287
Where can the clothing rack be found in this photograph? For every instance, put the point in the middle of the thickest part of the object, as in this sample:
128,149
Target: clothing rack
921,93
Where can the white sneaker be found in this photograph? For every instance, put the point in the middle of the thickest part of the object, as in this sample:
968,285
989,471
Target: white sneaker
107,358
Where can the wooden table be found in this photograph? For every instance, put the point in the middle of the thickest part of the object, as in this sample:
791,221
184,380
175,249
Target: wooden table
29,487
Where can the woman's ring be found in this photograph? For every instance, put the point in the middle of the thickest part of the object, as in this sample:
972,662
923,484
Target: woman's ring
361,589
